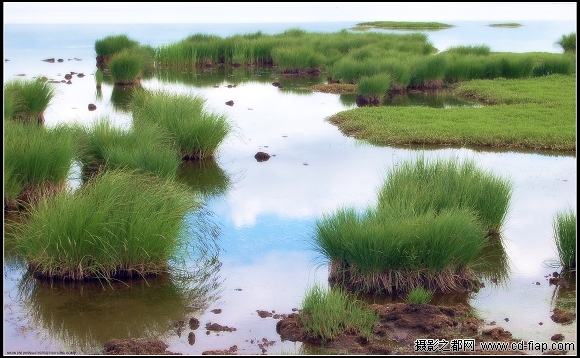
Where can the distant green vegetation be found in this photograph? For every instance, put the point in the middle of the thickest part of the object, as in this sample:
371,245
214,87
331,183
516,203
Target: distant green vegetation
327,313
427,230
533,113
506,24
410,60
113,44
403,25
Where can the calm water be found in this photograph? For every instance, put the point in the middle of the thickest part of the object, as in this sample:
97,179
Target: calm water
267,210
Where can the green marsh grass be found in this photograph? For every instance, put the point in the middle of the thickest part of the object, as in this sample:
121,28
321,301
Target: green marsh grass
419,295
326,314
440,184
147,148
392,251
197,131
568,42
533,113
405,25
475,50
428,229
564,226
113,44
28,99
428,70
297,58
36,160
11,104
377,86
551,64
506,24
118,224
127,67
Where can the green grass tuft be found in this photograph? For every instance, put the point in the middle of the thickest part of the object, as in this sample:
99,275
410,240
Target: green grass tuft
419,295
327,313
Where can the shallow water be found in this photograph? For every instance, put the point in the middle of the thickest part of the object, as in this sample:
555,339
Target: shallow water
267,210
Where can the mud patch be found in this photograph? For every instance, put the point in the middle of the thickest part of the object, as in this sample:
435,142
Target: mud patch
562,317
136,347
399,326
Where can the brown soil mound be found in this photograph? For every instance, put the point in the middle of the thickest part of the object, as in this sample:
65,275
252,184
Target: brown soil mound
136,346
399,326
562,317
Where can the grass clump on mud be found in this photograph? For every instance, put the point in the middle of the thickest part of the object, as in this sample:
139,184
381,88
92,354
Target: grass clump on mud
419,295
196,131
148,148
430,224
37,161
327,313
26,100
118,224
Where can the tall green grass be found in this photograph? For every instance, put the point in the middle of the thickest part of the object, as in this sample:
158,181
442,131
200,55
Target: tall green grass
377,85
427,230
476,50
393,251
127,67
28,99
113,44
551,64
568,42
327,313
35,159
564,226
419,295
196,131
119,224
440,184
146,148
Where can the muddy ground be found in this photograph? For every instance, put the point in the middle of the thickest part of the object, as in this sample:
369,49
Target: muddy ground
400,324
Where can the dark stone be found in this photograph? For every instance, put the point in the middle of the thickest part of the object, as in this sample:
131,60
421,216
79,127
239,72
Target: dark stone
92,107
193,323
191,338
262,156
230,103
49,60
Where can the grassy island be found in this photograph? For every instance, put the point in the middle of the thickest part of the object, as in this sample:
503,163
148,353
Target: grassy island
405,25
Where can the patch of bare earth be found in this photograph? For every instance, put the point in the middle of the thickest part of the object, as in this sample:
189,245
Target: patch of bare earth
334,88
136,347
399,326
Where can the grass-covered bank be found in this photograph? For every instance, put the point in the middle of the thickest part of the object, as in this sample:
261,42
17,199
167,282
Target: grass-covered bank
533,113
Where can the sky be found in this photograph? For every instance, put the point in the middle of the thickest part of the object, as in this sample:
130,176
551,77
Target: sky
252,12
